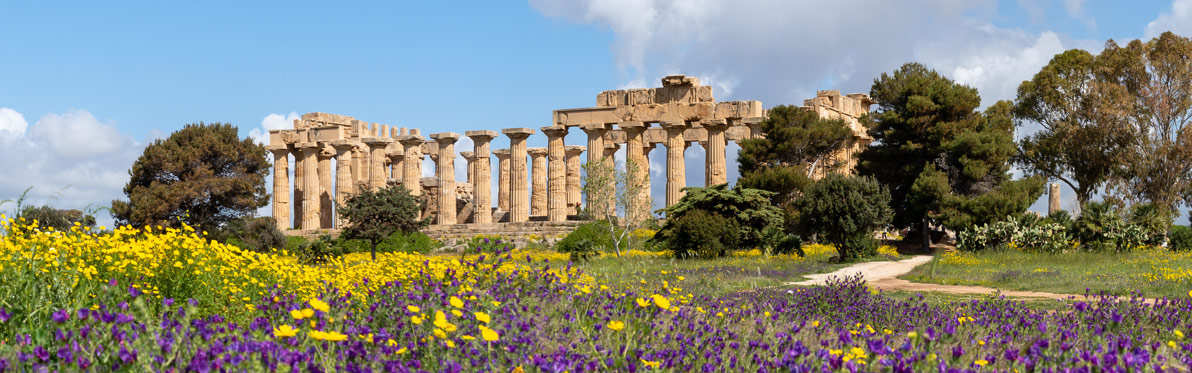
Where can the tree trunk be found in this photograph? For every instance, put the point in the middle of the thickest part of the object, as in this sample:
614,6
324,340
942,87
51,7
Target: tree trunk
374,250
926,233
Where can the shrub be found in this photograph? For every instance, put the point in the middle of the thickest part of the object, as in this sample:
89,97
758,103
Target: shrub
1180,239
701,234
845,211
489,245
1101,228
316,251
1025,232
749,209
586,240
60,220
374,215
261,235
1152,220
411,242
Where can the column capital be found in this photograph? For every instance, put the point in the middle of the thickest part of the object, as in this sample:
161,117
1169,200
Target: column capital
468,156
554,131
595,129
632,126
376,142
536,152
501,153
574,150
445,137
278,150
675,126
714,124
518,133
484,135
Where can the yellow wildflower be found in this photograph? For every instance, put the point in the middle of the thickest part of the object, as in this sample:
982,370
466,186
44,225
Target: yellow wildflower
642,302
320,305
302,314
413,309
661,301
651,364
416,320
981,362
616,325
456,302
482,317
284,331
489,334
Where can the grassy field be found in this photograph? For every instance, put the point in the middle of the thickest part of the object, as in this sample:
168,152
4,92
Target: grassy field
1153,273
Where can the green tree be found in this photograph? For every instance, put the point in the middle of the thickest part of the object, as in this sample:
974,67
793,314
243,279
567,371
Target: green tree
1082,140
795,137
61,220
203,175
935,151
751,209
845,211
373,215
607,190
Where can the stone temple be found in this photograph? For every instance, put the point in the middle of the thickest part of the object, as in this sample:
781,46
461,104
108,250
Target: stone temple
534,184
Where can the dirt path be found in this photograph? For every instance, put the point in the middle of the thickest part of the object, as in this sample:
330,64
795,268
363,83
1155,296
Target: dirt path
884,276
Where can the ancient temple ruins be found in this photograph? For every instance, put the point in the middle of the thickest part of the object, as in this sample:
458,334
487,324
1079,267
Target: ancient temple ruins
533,183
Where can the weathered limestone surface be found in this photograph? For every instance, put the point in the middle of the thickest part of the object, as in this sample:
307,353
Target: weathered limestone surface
574,183
1053,199
396,152
299,185
503,177
469,157
445,169
344,185
482,179
281,185
716,172
412,167
636,166
376,161
832,105
310,193
538,184
518,193
557,174
326,213
676,165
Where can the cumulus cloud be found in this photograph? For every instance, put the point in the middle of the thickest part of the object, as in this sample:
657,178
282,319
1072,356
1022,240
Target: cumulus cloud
68,160
1177,20
272,121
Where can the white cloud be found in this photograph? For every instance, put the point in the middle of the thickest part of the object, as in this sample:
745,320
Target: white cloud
997,66
1075,9
12,124
272,121
70,160
1178,20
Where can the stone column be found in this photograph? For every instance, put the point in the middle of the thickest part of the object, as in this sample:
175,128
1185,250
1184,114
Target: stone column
502,179
376,161
647,147
676,165
345,184
445,170
755,127
299,185
574,189
518,208
310,181
610,152
1053,199
556,200
716,172
281,185
412,168
538,181
396,153
326,209
482,178
634,153
470,158
595,134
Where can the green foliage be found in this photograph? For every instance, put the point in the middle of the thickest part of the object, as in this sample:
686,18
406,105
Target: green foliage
845,211
586,240
61,220
1153,220
701,234
749,208
1025,232
787,184
317,251
258,234
608,189
1061,217
795,137
937,154
398,242
202,175
1180,239
1101,228
489,245
374,215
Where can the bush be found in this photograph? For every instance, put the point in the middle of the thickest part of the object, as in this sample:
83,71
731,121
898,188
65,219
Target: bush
845,211
1101,228
586,240
261,235
701,234
749,209
1152,220
489,245
1025,232
60,220
1180,239
316,251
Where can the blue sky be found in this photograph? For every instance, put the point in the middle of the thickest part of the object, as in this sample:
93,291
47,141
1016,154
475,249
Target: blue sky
85,85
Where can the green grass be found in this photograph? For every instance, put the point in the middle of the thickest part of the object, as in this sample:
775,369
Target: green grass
1154,273
947,300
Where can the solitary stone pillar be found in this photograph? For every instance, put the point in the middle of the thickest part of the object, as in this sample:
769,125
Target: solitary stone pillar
716,172
445,170
376,161
344,184
502,179
573,177
556,186
1053,199
470,158
482,177
635,166
326,210
281,185
538,181
310,192
411,177
518,208
676,165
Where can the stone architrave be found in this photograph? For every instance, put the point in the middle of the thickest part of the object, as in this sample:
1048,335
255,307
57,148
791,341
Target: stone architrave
556,201
1053,199
676,165
502,179
574,188
470,158
412,165
445,170
482,178
344,183
310,181
281,185
518,193
716,171
376,161
326,189
538,185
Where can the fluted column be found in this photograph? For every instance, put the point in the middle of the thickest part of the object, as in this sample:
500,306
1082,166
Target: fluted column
610,152
326,209
345,185
676,165
310,181
281,185
502,179
556,185
573,177
537,181
635,166
412,167
595,134
482,178
445,170
470,158
716,172
299,185
518,193
376,161
647,147
396,153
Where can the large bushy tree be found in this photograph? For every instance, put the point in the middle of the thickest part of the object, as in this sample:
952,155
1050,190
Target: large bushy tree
938,154
749,209
845,211
203,175
373,215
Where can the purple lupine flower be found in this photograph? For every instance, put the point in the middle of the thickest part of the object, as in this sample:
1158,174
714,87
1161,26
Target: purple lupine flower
60,316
